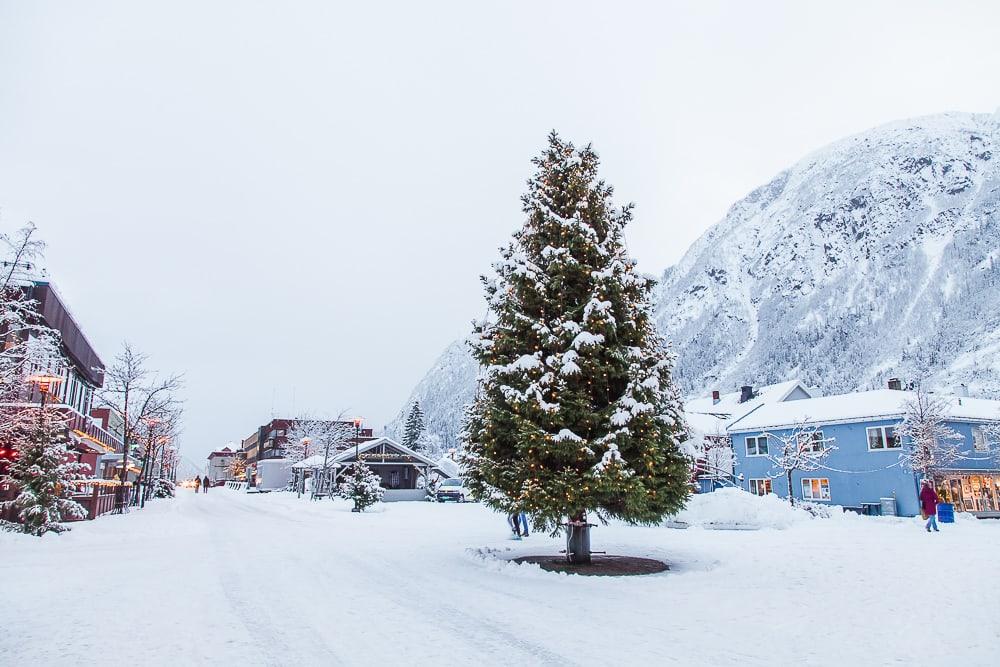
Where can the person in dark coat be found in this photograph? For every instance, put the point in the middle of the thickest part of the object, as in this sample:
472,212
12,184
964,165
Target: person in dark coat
197,483
928,504
205,484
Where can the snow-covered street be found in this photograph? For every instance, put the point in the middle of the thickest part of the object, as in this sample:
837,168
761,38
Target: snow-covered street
230,578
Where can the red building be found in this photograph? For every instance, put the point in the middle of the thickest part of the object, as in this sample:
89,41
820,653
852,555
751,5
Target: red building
90,436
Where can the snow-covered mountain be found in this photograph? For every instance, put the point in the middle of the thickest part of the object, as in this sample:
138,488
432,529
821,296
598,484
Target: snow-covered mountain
877,256
443,394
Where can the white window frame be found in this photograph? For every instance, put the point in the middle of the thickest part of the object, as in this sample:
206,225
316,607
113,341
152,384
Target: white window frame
810,480
980,443
769,488
756,444
885,439
815,443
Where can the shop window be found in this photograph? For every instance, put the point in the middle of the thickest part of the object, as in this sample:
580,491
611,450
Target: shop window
882,437
757,445
760,487
816,489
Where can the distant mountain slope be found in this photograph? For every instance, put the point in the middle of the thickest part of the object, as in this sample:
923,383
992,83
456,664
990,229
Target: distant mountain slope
443,394
874,257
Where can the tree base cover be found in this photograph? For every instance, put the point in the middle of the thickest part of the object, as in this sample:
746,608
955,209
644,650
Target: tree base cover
600,566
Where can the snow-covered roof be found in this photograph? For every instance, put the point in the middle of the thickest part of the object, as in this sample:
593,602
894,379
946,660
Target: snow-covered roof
348,453
705,416
859,406
315,461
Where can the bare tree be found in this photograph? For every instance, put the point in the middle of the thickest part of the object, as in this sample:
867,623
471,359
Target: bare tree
26,345
803,449
314,437
929,444
140,398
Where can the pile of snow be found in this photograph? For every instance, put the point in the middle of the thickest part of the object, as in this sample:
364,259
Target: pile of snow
735,509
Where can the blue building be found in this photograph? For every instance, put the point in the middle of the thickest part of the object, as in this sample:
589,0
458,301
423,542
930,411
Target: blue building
864,466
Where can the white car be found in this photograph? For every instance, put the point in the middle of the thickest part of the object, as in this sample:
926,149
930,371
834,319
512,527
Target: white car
453,488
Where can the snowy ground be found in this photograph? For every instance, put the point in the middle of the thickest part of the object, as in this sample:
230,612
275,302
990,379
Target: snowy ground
230,578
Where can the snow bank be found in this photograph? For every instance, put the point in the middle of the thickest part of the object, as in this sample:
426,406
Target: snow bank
735,509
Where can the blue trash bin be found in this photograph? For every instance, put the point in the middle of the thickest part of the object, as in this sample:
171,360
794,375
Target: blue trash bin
946,513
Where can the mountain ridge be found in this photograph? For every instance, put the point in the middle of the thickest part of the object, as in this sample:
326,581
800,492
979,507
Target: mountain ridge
871,257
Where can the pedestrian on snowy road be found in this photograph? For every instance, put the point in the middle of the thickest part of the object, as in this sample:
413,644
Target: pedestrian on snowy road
206,484
928,505
197,483
515,527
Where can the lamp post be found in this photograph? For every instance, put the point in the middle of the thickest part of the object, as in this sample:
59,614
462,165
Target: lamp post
357,438
45,383
301,486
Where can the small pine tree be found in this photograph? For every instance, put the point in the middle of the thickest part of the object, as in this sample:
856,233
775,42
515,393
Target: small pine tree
414,427
42,475
360,484
576,409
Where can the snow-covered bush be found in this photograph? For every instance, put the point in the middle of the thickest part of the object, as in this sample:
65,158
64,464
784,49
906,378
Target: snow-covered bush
163,488
360,484
738,509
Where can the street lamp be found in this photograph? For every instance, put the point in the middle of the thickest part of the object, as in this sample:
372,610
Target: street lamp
300,486
357,438
46,382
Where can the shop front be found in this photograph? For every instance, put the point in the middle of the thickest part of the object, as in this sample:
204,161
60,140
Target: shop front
975,492
404,472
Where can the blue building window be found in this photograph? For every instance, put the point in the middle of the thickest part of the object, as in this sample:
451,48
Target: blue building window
757,445
882,437
760,487
817,488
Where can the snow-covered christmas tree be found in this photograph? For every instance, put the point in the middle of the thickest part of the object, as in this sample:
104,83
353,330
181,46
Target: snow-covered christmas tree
414,427
360,484
576,410
42,473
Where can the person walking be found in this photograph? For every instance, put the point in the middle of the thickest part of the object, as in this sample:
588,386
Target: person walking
197,484
205,484
928,505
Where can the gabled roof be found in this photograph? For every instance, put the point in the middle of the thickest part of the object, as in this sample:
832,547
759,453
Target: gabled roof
348,453
709,417
878,404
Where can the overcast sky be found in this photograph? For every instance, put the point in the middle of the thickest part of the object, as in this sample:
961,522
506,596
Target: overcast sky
290,202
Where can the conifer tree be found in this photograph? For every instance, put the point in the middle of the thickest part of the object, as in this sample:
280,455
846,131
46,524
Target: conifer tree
42,474
414,427
360,484
576,411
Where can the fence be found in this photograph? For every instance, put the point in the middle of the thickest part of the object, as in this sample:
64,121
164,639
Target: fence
97,496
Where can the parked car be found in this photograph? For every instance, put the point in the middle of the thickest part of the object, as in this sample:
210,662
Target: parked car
452,488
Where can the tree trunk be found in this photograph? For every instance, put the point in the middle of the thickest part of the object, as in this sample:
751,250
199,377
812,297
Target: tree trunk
578,539
791,493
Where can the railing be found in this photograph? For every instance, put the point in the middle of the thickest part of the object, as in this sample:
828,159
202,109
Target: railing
97,496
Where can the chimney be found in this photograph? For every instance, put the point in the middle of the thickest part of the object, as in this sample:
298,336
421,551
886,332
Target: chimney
895,384
746,393
962,390
715,396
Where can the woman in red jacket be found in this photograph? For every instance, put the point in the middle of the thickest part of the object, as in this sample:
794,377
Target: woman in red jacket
928,503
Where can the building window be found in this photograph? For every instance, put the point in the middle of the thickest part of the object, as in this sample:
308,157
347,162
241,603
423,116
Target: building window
979,441
810,441
756,445
882,437
816,489
760,487
394,479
